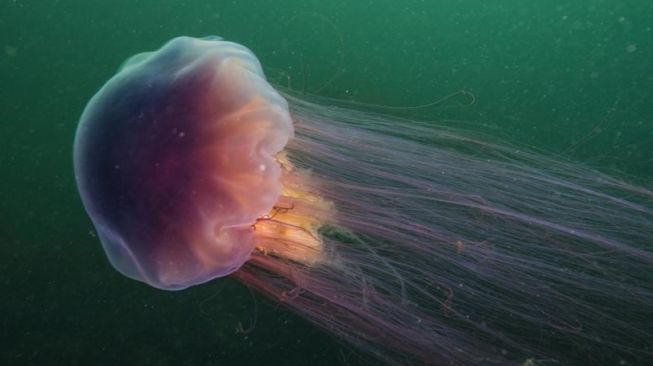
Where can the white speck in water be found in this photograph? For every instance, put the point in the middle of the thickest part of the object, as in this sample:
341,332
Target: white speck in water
262,167
182,134
631,48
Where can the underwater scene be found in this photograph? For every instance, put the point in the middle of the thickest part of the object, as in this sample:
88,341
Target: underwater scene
326,183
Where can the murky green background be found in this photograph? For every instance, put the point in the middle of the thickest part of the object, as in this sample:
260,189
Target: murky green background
566,77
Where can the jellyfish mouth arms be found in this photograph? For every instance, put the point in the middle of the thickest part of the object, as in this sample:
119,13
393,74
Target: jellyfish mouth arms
291,229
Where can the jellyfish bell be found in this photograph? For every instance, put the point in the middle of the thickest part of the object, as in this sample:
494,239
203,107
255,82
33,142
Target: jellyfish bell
415,242
179,161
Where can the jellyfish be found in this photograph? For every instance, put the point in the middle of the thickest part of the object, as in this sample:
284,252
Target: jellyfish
414,242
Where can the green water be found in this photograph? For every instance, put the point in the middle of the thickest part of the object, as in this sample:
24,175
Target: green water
570,78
